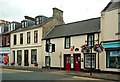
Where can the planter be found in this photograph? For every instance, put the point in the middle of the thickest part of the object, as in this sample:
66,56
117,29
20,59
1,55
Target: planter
36,64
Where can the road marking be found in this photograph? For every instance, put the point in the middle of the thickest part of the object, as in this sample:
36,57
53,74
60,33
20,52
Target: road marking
13,71
85,78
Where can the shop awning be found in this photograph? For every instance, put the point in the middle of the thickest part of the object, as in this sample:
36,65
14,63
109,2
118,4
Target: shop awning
111,44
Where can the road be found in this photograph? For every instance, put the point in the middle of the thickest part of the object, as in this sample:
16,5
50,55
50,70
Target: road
10,74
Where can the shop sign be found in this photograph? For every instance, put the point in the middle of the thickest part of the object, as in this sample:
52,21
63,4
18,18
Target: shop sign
4,50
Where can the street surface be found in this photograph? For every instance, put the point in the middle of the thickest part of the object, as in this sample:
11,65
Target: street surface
10,74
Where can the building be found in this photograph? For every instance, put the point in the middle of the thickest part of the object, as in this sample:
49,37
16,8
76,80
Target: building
26,42
6,27
66,52
110,37
4,50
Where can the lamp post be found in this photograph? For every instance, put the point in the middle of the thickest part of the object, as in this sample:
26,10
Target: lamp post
91,56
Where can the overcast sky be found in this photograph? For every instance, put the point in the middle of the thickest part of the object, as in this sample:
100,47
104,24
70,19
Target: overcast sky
74,10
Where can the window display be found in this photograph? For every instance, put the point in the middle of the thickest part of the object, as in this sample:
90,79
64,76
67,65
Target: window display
113,59
87,60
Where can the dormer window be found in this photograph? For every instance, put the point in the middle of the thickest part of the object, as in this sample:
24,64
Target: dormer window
12,26
37,20
24,24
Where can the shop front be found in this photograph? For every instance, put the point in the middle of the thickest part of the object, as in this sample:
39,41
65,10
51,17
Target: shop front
112,54
4,55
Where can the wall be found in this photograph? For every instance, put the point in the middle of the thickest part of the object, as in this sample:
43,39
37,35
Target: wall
76,41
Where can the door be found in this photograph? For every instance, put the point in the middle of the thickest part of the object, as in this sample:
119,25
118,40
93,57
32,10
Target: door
77,62
67,63
47,61
26,58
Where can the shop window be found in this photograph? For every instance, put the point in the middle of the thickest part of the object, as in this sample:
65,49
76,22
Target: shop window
87,61
19,57
113,59
67,42
33,56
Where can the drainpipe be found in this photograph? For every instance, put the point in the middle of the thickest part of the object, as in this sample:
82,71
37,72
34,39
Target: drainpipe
98,52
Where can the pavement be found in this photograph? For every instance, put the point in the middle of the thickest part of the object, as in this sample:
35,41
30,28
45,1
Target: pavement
96,75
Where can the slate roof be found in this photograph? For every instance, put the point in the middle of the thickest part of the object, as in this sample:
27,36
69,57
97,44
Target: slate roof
112,5
34,26
75,28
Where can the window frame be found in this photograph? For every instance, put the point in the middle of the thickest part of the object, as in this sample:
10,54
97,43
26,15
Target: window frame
94,61
35,36
21,38
28,37
118,22
15,39
19,54
35,59
108,57
89,41
67,44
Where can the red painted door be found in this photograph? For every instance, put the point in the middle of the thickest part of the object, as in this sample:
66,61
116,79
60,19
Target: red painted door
77,64
67,64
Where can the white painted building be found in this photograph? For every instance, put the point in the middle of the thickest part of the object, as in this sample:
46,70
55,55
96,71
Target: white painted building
26,43
72,35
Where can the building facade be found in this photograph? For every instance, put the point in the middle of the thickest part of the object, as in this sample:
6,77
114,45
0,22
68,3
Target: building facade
68,39
6,27
26,43
110,37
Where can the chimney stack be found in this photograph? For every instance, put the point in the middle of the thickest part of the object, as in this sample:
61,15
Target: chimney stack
57,13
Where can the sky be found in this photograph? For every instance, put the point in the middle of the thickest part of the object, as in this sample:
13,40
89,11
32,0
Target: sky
73,10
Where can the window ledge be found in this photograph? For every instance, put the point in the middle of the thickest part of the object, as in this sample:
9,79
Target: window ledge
117,33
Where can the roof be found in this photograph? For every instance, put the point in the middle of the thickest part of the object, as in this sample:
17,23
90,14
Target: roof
33,27
112,5
75,28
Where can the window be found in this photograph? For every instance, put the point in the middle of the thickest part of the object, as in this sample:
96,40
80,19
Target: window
28,37
113,58
19,57
13,56
87,61
7,40
67,42
35,36
37,20
14,26
119,22
90,40
40,19
21,38
24,24
15,38
33,56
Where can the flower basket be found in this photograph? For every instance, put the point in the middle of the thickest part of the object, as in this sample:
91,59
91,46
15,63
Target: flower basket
85,49
98,48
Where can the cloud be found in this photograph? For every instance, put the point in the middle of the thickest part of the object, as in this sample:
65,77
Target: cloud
15,10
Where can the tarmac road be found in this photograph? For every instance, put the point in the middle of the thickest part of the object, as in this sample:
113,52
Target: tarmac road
11,75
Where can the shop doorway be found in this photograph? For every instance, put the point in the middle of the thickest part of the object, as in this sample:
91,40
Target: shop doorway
77,62
47,61
26,58
67,63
